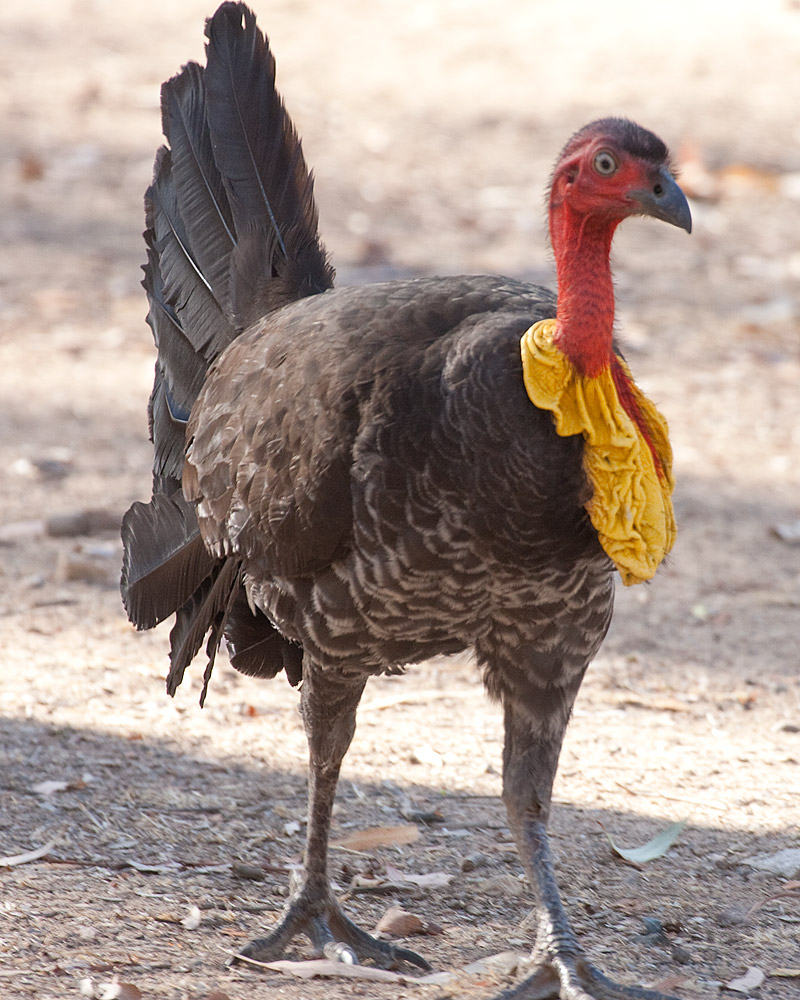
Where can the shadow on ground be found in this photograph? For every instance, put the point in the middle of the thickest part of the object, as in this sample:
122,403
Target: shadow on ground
147,831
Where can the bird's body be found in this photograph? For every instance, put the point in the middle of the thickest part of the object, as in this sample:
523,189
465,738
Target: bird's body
350,480
370,527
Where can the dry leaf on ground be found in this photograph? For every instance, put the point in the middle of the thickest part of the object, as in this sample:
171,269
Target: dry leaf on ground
655,848
433,880
20,859
399,923
751,980
326,969
50,787
378,836
786,862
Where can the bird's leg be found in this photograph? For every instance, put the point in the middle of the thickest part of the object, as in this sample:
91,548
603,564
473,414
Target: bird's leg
532,747
329,704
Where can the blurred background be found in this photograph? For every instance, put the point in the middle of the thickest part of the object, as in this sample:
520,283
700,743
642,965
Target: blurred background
432,128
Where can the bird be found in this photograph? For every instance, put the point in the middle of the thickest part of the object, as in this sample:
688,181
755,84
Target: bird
349,480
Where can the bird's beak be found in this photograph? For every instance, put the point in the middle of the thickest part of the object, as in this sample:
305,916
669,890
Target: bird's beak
664,200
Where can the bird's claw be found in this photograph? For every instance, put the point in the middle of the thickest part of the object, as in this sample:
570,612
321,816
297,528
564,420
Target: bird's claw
332,934
382,953
569,978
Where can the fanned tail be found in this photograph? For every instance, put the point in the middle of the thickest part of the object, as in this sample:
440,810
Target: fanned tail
231,234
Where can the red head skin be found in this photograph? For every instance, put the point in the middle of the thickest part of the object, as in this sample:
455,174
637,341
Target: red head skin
596,184
586,206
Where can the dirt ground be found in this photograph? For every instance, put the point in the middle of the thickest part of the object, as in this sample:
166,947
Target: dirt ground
432,127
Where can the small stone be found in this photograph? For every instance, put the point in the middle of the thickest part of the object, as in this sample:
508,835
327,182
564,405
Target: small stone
680,954
427,755
193,919
785,862
733,916
473,861
251,872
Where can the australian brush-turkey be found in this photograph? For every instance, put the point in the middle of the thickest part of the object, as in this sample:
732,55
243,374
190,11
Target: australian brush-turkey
351,480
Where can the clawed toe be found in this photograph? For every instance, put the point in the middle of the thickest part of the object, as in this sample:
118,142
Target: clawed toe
382,953
544,984
332,934
571,978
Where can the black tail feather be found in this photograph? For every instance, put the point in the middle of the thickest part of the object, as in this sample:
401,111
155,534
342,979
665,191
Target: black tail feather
200,315
269,188
231,235
168,433
200,189
255,646
205,611
164,559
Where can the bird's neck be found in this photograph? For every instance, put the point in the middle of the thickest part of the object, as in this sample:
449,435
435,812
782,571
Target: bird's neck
585,314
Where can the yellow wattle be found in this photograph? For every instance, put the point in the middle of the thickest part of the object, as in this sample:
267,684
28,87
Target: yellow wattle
631,506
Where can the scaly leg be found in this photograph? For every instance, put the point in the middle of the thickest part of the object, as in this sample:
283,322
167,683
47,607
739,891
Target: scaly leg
531,754
329,704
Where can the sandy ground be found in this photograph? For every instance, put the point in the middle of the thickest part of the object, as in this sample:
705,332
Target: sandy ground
432,128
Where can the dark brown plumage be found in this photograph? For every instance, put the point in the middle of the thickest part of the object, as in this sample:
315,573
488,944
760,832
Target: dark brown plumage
350,480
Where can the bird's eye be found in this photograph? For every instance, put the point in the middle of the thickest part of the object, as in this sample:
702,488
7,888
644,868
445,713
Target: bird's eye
605,163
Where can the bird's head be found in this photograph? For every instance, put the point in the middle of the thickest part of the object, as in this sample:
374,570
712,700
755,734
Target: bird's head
608,171
612,169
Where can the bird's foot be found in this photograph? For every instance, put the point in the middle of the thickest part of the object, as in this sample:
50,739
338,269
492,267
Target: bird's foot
331,933
569,976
